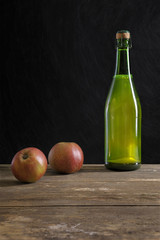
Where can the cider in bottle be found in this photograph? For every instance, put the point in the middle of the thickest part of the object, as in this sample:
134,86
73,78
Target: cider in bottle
122,113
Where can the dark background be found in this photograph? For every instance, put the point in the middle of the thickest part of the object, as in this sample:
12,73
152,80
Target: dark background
59,59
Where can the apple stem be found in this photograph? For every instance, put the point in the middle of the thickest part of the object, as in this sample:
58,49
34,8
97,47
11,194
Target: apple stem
25,156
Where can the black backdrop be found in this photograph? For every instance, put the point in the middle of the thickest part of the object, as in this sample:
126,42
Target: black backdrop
59,59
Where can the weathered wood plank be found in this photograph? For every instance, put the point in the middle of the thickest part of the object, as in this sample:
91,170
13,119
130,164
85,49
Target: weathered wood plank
91,204
80,223
147,171
83,188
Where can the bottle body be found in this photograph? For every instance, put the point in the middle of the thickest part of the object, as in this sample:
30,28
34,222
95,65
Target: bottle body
123,113
122,125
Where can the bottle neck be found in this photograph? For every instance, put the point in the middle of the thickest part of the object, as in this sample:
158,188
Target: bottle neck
122,61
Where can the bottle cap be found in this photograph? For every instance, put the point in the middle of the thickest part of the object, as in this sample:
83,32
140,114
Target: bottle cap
123,34
123,39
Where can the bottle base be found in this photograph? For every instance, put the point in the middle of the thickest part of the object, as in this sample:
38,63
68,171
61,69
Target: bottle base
123,167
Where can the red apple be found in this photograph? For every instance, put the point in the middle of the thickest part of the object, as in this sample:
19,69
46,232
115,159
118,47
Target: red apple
29,164
66,157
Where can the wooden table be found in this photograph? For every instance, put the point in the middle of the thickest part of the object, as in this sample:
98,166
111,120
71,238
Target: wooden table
94,203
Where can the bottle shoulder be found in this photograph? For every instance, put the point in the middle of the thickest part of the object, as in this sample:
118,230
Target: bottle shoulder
123,94
123,76
123,84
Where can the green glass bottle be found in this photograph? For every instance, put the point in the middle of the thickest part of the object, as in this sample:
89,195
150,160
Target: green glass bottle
122,113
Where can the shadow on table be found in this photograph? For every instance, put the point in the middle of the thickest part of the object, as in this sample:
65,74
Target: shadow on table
51,172
54,173
10,182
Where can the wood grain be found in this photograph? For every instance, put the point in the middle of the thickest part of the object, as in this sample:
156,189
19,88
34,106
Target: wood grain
94,203
80,223
91,186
